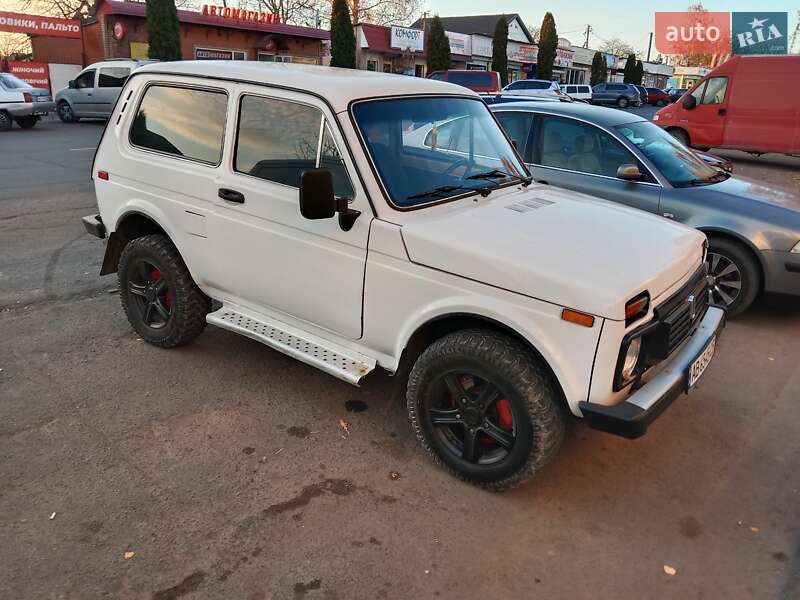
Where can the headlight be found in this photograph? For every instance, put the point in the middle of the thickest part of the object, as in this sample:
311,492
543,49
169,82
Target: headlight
631,359
796,249
655,117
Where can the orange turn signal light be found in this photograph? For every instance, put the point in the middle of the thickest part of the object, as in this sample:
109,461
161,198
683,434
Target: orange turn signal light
637,308
102,175
579,318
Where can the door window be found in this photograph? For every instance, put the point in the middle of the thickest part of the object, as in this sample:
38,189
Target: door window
85,80
184,122
578,146
715,90
698,90
278,140
517,125
113,77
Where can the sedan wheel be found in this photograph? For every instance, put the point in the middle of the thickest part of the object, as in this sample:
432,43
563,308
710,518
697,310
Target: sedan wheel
724,279
733,276
5,121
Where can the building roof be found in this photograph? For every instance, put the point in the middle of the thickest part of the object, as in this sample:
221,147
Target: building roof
379,39
138,9
480,24
338,86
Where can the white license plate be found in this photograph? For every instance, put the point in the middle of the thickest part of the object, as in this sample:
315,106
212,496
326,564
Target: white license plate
42,99
701,363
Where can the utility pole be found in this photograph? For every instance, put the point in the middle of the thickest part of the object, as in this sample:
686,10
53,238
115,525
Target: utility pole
588,31
649,46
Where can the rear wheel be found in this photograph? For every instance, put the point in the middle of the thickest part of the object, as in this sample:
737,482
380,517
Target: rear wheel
660,102
65,112
27,122
733,276
162,302
485,408
622,102
5,121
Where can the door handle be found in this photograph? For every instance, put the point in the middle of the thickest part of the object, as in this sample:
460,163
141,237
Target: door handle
722,112
231,195
543,182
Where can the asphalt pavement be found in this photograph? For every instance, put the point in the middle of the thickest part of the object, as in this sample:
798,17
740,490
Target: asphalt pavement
222,470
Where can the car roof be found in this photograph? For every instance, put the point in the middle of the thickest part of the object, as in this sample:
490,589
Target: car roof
607,117
338,86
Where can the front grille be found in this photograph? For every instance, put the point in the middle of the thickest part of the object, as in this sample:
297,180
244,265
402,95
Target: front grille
681,313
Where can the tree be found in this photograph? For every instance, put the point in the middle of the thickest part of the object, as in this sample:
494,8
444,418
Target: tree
500,50
617,47
438,55
343,39
548,44
638,73
599,69
163,34
15,46
630,69
383,12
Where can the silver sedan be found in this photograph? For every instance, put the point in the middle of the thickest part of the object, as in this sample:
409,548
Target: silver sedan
753,228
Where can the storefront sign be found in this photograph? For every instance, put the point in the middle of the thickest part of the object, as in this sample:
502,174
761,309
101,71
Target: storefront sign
563,58
459,43
481,45
35,25
404,38
211,54
36,74
140,50
522,53
119,30
239,14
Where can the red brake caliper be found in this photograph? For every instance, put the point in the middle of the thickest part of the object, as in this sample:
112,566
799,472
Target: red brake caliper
156,274
504,415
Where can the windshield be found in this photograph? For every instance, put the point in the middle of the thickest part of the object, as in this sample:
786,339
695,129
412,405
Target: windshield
677,163
429,149
11,82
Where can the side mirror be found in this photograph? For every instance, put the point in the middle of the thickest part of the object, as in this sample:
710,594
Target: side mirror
318,201
690,102
629,173
71,84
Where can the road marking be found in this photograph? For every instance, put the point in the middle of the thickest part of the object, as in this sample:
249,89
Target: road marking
76,149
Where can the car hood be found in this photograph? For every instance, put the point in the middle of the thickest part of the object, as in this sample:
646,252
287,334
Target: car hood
754,191
556,245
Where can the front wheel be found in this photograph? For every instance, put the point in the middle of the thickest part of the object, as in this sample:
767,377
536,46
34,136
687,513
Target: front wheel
160,298
65,113
27,122
733,276
485,408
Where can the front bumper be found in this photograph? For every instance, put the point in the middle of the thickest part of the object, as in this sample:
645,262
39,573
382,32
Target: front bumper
28,109
94,224
782,272
631,417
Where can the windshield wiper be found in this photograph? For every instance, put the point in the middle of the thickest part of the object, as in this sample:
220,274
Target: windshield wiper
446,189
498,173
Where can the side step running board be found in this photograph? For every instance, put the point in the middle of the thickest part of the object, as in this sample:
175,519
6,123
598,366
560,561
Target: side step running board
343,363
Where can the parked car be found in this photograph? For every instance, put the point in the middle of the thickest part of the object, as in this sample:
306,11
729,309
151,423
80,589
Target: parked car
577,91
729,109
675,94
657,97
644,97
753,228
532,87
503,98
325,233
483,82
621,94
21,103
95,90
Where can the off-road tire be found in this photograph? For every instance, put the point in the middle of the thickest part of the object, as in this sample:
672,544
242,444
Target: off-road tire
622,102
5,121
65,112
189,305
748,268
517,368
27,122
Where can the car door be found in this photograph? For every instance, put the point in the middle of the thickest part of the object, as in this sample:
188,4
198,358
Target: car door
109,85
82,95
599,93
271,257
706,120
580,156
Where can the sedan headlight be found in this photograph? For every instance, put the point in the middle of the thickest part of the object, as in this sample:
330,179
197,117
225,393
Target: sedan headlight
796,249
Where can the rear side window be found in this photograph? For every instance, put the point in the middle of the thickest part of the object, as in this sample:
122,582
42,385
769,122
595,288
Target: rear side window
477,79
571,89
617,87
185,122
278,140
113,77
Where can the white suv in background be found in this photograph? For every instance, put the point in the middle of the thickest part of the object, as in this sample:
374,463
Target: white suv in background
95,90
299,198
532,87
577,91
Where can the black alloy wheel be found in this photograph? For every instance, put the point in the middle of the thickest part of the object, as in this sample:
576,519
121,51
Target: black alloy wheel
150,294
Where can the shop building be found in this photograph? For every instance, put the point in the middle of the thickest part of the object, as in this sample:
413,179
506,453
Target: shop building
119,30
399,50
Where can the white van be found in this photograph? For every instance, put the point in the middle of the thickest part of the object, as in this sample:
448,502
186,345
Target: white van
299,198
577,91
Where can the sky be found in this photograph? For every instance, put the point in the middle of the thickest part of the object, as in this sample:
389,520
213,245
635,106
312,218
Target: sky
631,21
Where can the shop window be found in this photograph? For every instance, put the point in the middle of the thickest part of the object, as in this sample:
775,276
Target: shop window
387,67
181,121
372,65
277,140
419,70
264,57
